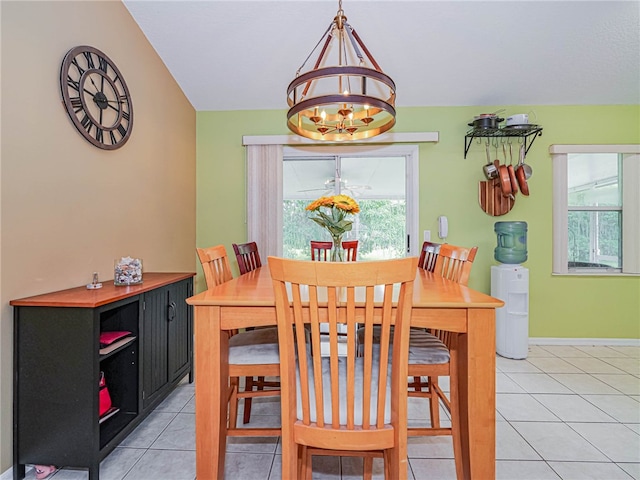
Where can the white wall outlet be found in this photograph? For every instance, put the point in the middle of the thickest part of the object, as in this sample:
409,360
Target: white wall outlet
427,235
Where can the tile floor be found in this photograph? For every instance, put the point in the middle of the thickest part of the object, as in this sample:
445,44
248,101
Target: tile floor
566,412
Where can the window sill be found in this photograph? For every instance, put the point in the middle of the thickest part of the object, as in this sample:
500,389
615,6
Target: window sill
595,274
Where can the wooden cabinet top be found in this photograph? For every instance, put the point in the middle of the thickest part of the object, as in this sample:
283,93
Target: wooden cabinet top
85,298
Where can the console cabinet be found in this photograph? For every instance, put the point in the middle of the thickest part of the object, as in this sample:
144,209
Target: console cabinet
58,363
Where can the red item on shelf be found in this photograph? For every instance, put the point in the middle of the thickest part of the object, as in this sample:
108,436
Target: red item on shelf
105,398
107,338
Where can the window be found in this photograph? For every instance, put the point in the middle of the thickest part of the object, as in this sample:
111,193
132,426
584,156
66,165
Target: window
596,207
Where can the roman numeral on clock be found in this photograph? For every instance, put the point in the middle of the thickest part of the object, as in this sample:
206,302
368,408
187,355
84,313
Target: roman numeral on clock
80,69
73,83
102,64
86,123
89,58
76,103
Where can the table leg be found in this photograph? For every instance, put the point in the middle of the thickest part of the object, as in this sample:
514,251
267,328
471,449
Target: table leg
212,373
477,370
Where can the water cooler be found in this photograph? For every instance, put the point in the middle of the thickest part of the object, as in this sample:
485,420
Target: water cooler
510,283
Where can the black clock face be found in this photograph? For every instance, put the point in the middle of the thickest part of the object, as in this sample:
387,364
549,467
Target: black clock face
96,97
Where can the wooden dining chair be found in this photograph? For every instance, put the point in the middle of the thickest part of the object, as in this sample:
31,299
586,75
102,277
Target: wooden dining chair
433,353
321,251
350,248
454,263
248,258
428,256
252,353
427,261
353,405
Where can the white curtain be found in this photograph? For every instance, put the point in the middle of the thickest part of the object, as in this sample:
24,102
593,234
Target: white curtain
264,198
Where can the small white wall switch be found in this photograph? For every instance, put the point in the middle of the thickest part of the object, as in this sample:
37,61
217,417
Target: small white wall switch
427,235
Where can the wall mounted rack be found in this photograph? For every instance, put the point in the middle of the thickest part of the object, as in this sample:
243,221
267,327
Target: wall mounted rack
527,132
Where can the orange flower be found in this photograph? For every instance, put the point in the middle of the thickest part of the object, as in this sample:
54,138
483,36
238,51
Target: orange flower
346,203
334,220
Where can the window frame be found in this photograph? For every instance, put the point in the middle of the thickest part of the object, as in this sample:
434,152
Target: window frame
630,209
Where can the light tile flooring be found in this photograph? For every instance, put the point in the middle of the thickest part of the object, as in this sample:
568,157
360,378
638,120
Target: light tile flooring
563,413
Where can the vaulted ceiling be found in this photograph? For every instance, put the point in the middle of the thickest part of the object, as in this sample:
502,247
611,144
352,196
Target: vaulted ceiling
241,55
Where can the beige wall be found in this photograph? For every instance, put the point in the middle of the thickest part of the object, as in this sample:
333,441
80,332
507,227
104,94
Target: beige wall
68,208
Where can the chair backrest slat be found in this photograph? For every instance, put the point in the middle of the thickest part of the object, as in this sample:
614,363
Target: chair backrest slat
336,392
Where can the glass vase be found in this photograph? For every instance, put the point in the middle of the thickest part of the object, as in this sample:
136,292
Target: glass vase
127,271
337,253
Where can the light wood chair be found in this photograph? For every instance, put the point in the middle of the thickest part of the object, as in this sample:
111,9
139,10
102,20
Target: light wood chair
350,248
433,354
252,353
454,263
345,407
321,251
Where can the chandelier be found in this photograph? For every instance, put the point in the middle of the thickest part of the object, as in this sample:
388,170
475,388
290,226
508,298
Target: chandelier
341,97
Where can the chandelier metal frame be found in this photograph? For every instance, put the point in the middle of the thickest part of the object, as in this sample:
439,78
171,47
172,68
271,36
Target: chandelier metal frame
341,102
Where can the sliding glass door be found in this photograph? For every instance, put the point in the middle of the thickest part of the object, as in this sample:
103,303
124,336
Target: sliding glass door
382,180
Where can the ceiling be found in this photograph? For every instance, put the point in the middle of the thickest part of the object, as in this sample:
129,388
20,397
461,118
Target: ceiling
241,55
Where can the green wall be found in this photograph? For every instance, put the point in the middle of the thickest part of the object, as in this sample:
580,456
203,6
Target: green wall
563,307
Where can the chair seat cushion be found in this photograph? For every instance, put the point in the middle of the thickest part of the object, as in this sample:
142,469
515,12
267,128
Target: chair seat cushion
259,346
359,381
424,348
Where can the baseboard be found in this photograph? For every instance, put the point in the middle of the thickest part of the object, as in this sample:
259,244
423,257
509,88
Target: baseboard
617,342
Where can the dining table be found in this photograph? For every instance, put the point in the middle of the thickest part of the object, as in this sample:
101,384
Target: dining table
438,303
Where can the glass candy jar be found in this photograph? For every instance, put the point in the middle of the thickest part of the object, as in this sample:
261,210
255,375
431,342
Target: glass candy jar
127,271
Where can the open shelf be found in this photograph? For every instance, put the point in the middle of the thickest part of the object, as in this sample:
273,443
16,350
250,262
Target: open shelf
115,347
108,414
114,425
527,132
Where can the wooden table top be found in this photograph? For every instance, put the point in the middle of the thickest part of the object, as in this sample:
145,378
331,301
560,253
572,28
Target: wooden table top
430,291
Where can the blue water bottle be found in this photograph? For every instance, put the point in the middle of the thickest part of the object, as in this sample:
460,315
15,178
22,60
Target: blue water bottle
512,242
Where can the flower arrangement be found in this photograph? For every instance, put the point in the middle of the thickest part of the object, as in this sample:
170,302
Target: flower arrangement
331,214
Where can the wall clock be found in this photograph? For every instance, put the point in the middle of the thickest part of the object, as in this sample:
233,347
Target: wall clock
96,97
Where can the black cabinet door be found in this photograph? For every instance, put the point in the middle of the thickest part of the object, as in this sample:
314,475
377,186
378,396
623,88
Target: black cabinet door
155,373
180,333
